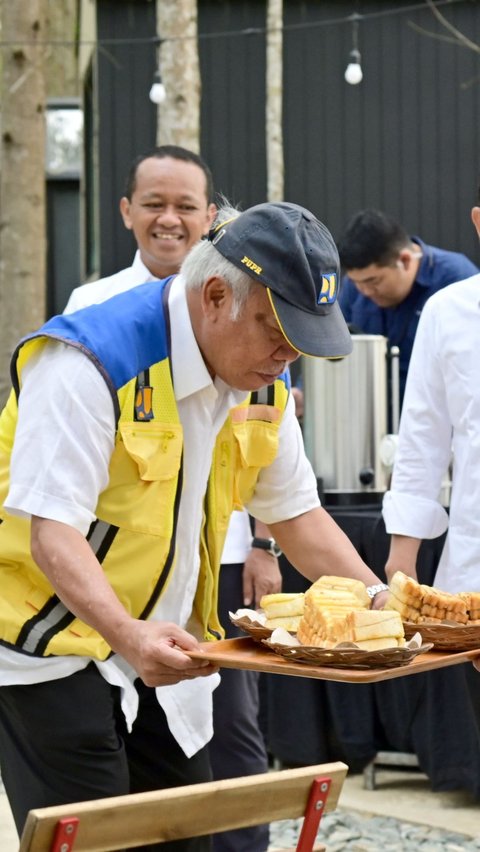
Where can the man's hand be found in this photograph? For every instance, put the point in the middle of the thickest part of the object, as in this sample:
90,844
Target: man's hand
379,600
156,650
261,576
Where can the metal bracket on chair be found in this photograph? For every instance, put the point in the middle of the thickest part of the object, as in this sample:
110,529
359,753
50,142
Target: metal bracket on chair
313,813
65,834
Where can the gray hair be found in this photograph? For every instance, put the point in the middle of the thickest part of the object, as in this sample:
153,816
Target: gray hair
204,261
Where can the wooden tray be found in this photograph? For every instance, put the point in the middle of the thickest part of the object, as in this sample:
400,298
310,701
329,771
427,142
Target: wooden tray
248,654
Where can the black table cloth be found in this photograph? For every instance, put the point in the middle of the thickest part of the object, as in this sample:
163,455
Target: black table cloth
435,715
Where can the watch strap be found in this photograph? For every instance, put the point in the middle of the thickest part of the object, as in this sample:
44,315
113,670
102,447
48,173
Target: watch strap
268,544
372,591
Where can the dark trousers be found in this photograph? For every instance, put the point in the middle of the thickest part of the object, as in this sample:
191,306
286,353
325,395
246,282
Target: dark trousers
237,747
66,741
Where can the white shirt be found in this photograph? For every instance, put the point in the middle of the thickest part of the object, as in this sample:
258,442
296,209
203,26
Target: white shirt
238,541
440,420
96,292
287,489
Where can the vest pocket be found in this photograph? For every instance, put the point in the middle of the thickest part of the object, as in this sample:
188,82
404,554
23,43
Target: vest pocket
156,448
257,444
144,473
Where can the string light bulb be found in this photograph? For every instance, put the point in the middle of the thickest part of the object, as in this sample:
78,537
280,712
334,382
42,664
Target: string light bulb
157,93
353,72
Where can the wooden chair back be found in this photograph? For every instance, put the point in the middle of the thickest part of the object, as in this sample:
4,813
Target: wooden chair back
140,819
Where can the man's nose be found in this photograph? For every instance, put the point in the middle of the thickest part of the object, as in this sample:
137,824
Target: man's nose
286,352
168,215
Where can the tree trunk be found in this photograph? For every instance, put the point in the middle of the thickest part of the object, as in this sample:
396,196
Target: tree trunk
179,114
274,89
22,179
61,61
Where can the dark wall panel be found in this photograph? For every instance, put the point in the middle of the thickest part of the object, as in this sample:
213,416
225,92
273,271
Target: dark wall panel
233,97
127,118
406,139
63,245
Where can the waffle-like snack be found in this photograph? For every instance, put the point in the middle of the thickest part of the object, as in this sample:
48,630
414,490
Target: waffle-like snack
283,609
327,602
436,599
419,603
408,613
472,602
288,622
344,584
333,600
282,604
371,630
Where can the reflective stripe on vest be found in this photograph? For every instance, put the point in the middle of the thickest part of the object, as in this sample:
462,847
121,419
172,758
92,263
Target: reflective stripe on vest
54,615
37,632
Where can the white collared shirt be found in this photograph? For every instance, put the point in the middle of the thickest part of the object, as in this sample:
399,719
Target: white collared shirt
440,421
96,292
286,489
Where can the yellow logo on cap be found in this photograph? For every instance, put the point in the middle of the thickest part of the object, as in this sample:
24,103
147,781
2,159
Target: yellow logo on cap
328,290
251,265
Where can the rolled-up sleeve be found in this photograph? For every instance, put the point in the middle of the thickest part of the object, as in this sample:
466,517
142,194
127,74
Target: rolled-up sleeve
412,506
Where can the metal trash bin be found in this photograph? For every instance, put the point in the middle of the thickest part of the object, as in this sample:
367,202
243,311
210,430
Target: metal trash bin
345,420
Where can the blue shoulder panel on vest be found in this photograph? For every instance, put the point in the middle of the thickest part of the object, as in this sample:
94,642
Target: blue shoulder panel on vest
286,377
126,334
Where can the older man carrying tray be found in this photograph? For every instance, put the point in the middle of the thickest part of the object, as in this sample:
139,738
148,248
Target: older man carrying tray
139,430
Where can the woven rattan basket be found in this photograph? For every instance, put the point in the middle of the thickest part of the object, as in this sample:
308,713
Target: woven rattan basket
348,656
446,636
254,629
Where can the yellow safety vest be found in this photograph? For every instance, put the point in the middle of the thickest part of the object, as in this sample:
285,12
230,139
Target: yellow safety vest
134,534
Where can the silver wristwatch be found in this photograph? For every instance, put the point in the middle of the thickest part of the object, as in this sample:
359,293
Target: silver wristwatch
372,591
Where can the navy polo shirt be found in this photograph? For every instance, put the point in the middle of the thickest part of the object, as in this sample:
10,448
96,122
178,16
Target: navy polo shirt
437,269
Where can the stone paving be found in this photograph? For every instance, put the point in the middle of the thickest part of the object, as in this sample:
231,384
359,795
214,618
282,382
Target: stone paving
364,833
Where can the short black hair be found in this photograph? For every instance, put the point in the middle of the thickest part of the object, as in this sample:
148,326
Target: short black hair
371,237
176,152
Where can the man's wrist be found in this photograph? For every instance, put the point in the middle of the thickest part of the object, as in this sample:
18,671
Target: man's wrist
268,544
373,591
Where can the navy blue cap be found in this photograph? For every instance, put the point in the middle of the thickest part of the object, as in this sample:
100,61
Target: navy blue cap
287,249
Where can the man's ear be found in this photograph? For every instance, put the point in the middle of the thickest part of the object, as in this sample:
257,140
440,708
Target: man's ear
407,257
125,212
215,295
211,213
475,214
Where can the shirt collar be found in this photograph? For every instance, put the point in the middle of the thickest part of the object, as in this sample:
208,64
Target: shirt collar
141,270
190,373
426,265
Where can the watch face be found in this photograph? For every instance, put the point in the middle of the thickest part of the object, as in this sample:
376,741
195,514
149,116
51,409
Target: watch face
275,549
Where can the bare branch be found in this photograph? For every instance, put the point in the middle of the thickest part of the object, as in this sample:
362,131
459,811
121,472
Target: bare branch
437,36
466,42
